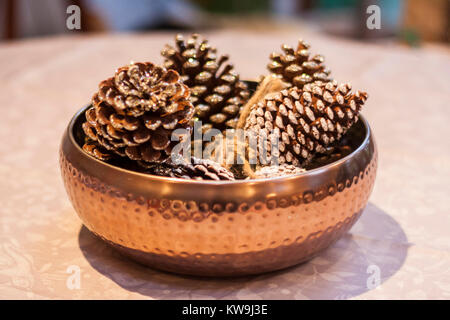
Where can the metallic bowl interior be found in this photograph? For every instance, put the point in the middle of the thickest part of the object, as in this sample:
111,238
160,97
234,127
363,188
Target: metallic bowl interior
223,228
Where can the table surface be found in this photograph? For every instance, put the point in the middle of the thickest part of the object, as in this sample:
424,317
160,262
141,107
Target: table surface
402,239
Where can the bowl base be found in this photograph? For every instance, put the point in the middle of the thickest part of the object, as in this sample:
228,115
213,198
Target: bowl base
243,264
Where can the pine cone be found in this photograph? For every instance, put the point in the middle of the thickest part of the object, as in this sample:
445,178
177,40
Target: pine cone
134,113
216,91
297,67
198,169
278,171
304,121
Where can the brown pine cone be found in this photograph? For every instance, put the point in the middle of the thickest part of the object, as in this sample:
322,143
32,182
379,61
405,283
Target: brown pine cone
134,113
197,169
304,121
278,171
216,91
297,67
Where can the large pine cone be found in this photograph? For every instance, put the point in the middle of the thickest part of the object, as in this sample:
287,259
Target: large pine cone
197,169
297,67
134,113
216,91
304,121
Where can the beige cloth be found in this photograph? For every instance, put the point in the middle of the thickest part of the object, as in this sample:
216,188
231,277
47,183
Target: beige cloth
402,239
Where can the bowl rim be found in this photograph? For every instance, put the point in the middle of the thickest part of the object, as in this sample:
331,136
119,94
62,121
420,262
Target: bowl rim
151,177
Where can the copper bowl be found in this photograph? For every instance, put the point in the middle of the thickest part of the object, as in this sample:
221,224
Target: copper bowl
213,228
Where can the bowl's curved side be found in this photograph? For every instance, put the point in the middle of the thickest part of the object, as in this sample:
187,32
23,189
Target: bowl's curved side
223,229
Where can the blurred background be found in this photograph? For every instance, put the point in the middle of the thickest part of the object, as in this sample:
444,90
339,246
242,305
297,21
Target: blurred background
408,21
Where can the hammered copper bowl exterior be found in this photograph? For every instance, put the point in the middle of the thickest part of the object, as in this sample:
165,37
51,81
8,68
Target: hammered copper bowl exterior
218,228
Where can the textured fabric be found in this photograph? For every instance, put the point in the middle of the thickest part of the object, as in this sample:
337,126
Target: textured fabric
402,237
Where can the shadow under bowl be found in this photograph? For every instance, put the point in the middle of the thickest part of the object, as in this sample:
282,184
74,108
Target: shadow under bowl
218,228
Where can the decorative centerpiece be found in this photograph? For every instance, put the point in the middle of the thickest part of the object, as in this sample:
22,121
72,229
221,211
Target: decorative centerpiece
143,163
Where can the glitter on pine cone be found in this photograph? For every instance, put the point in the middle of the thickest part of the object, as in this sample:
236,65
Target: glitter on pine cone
297,66
197,169
134,113
216,91
304,121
